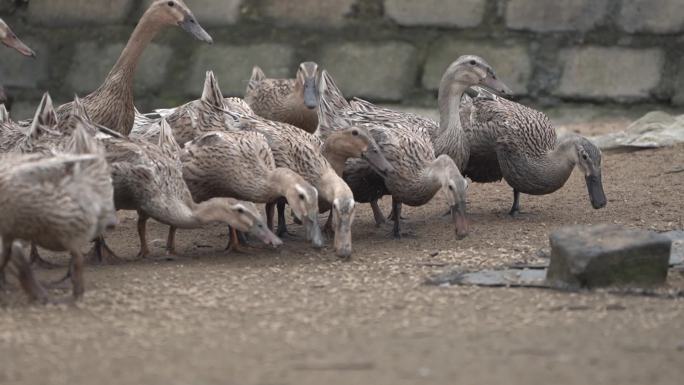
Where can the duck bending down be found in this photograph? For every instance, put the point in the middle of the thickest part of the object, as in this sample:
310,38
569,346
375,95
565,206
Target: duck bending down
148,178
59,202
111,105
519,144
241,165
300,152
417,173
292,101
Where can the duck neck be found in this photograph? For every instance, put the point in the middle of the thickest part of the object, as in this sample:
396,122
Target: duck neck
335,157
332,186
432,175
278,182
450,138
123,71
561,160
194,215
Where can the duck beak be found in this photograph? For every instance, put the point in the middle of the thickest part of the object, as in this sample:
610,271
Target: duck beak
343,239
190,25
265,235
313,231
458,214
495,85
595,188
310,93
377,160
13,41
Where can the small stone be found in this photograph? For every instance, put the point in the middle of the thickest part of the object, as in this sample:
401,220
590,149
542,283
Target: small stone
607,255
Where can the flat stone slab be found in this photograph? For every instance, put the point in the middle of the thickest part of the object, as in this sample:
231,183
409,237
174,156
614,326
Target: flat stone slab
607,255
514,277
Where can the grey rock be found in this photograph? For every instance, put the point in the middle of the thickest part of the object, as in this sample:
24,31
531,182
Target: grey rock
610,73
677,250
510,60
552,16
308,13
382,71
463,14
92,63
662,16
19,71
232,65
78,12
607,255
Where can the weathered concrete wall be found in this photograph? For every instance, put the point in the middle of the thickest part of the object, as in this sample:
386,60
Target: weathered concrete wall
625,51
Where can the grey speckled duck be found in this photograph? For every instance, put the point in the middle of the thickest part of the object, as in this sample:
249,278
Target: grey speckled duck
520,144
111,105
292,101
417,175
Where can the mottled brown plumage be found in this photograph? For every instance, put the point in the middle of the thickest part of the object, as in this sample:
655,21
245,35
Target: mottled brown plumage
194,118
59,202
148,178
291,101
111,105
417,175
241,165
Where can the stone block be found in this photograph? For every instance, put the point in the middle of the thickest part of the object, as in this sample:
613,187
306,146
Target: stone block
308,13
607,255
445,13
610,72
17,70
649,16
78,12
211,13
511,61
556,15
232,65
92,63
383,71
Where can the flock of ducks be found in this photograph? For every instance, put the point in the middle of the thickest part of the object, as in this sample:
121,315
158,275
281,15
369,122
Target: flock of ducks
296,142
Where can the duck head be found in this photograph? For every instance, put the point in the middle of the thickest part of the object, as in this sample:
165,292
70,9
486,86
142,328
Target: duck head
176,13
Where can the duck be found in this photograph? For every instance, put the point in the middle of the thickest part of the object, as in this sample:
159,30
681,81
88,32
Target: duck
520,145
241,165
148,178
292,101
192,119
417,173
111,105
300,151
10,39
71,193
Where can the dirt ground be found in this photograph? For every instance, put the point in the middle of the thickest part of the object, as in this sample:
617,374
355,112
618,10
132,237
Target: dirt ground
300,316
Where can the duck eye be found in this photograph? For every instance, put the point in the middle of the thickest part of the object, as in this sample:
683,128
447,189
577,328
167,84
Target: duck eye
473,62
355,132
241,211
451,187
170,3
585,157
302,197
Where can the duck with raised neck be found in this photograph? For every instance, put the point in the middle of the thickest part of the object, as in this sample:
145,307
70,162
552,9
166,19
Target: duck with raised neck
111,105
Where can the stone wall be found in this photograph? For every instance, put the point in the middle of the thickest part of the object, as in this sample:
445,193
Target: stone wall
548,51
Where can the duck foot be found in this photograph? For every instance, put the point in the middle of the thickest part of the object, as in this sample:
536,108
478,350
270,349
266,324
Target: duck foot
38,261
377,214
33,289
101,254
235,244
515,209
